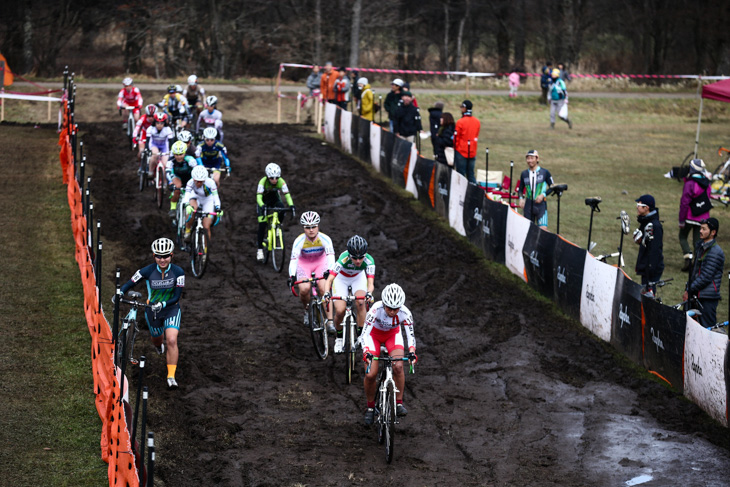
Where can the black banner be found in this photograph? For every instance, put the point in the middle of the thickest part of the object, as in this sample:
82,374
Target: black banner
568,262
401,154
387,139
538,253
626,318
474,214
354,130
441,188
664,329
338,137
363,140
494,229
422,175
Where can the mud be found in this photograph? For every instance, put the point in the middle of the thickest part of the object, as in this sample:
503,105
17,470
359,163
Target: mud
506,392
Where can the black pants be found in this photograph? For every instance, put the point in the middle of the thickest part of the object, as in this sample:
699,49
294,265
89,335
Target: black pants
709,312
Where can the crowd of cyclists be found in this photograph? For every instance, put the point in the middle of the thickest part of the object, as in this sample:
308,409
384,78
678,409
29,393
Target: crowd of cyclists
193,174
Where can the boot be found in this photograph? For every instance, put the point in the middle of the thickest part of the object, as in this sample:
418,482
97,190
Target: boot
552,125
687,263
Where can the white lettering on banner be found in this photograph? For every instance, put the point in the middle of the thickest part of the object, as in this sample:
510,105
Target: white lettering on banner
418,180
360,140
533,258
510,244
382,153
477,214
656,340
696,366
589,294
623,315
443,190
561,276
485,228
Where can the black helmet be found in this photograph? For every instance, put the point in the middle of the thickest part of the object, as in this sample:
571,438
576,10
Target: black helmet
357,247
172,89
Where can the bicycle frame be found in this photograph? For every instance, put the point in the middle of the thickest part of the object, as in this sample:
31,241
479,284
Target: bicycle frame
317,317
349,324
385,403
274,242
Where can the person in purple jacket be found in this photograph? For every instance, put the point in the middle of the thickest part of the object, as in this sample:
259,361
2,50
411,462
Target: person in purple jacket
693,208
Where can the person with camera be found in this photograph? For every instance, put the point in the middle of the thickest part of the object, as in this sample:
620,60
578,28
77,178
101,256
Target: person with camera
649,237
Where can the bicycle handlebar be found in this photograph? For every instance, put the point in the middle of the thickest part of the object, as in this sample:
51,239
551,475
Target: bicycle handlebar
660,283
389,360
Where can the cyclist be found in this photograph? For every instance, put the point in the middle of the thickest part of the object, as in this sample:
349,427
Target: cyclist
158,136
312,251
187,137
195,94
178,172
211,117
129,96
211,154
165,282
383,327
355,268
201,192
267,194
139,136
176,106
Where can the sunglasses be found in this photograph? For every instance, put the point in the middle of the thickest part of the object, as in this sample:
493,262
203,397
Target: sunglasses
163,257
310,227
357,257
639,205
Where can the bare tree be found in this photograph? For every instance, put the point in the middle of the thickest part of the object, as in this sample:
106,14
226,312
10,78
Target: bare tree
355,34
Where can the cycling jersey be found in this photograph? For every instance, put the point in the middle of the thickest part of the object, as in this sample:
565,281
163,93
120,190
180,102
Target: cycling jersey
267,190
347,267
309,256
206,195
210,119
131,98
144,122
175,105
211,156
381,328
193,94
182,170
160,138
162,287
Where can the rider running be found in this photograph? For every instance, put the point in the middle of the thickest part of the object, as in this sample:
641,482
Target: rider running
165,282
355,268
187,137
201,191
158,138
129,96
195,94
210,117
267,194
212,154
178,172
383,327
312,252
139,136
176,106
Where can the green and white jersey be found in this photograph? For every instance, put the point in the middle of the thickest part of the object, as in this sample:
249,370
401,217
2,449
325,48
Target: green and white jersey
347,267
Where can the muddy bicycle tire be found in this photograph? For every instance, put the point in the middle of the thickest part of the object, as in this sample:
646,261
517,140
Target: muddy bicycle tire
318,330
278,249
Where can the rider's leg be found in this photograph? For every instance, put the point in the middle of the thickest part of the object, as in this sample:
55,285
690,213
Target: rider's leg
305,289
398,375
172,350
153,159
189,224
361,307
340,308
207,223
175,194
217,178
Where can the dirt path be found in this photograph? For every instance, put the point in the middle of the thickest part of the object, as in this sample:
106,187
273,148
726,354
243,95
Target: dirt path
506,392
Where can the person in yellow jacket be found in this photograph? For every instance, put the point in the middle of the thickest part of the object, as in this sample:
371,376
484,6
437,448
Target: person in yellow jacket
366,99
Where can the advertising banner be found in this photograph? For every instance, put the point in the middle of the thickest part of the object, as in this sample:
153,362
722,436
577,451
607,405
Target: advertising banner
538,253
399,160
387,140
330,110
596,300
473,214
664,331
568,261
423,175
345,130
704,374
457,193
336,128
442,187
363,140
517,228
494,229
626,335
354,139
410,167
375,132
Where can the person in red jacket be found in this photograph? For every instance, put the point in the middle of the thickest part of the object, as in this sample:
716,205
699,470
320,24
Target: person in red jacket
342,88
327,83
466,136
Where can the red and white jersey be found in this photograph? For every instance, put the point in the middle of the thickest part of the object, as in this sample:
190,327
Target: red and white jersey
144,122
131,98
378,319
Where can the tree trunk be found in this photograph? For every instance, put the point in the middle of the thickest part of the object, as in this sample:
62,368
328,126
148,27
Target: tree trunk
460,37
28,39
445,48
355,34
318,32
501,14
519,38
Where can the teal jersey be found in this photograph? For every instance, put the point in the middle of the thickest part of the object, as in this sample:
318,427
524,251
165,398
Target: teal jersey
347,267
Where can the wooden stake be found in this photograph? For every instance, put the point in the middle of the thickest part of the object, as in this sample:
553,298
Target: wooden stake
278,108
49,107
316,111
321,117
299,105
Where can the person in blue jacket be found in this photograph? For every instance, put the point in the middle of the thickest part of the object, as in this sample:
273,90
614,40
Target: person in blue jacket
706,274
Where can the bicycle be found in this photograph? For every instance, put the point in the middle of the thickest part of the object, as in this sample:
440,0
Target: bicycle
722,171
274,241
317,317
604,258
349,331
646,290
385,409
180,221
144,162
129,124
129,330
160,182
199,245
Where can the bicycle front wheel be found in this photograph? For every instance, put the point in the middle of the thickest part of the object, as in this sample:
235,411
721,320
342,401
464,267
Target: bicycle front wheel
199,255
143,172
278,250
349,349
389,422
159,185
130,131
318,329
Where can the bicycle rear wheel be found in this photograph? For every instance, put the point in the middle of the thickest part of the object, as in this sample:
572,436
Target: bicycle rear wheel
278,250
380,423
199,254
389,422
180,217
159,185
130,131
267,243
318,329
143,164
125,344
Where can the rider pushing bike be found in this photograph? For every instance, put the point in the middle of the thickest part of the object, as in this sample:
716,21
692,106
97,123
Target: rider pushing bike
267,194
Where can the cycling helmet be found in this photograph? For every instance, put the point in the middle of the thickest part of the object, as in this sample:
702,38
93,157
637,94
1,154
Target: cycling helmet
192,80
309,218
150,110
171,89
160,117
199,173
162,246
393,296
273,170
178,89
210,133
357,247
185,136
179,148
127,81
211,101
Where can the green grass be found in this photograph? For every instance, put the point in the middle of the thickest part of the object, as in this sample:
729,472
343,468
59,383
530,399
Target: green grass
51,430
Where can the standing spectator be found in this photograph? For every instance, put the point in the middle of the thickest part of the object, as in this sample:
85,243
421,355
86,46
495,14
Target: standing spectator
532,189
650,238
327,83
558,98
545,79
392,100
706,275
465,142
514,83
407,87
313,83
444,138
342,89
407,118
367,99
694,206
434,121
564,75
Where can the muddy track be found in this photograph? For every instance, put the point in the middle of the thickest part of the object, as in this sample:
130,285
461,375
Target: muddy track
505,393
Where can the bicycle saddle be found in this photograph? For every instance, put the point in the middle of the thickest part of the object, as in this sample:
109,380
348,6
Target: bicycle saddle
593,202
556,189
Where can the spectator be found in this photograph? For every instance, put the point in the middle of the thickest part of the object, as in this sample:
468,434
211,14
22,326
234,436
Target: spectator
434,121
694,206
545,79
407,118
327,83
514,83
465,142
558,98
342,88
650,238
564,75
706,274
367,99
407,87
444,138
393,100
532,189
356,93
313,83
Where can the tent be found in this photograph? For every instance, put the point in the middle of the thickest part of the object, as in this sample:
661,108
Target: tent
716,91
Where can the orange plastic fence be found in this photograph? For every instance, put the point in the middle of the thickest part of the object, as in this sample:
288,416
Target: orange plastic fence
116,446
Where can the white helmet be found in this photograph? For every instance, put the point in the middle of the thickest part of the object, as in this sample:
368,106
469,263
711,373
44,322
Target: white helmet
127,81
393,296
199,173
309,218
185,136
273,170
210,133
179,148
211,101
178,89
162,246
192,80
362,81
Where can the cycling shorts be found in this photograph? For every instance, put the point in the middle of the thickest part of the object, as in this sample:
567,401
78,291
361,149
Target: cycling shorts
207,204
163,148
167,318
214,164
358,283
306,267
393,340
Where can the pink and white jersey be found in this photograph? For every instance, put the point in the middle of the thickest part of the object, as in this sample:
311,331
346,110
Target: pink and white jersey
310,256
131,98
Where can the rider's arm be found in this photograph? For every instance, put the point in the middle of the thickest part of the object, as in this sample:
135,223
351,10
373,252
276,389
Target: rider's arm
328,282
120,99
260,192
197,124
296,249
224,154
285,189
199,154
189,192
213,192
142,273
407,324
329,250
140,101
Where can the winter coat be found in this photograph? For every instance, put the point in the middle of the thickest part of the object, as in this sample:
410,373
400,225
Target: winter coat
466,136
694,186
434,120
707,268
342,87
313,82
443,139
327,84
650,262
407,121
546,78
392,100
366,103
558,91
